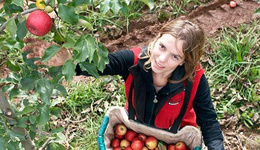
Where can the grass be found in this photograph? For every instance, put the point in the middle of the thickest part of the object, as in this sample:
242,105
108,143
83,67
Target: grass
86,104
234,73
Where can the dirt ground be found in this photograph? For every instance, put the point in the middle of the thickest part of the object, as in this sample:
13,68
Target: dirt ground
212,19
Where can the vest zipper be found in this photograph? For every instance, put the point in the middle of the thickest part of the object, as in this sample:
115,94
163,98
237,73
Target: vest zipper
162,102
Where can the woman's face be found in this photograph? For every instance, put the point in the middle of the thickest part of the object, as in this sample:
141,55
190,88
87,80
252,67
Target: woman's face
167,54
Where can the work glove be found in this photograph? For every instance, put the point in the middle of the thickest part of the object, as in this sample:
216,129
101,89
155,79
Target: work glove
36,49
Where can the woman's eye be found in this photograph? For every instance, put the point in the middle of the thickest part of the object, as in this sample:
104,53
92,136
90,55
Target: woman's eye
162,46
175,57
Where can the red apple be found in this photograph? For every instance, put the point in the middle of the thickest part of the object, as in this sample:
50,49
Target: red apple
151,142
115,142
137,144
39,23
144,148
142,136
120,129
124,143
232,4
170,147
180,146
128,148
117,148
118,136
130,135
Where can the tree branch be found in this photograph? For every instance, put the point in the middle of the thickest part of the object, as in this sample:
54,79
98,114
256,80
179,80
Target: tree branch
22,13
9,113
16,16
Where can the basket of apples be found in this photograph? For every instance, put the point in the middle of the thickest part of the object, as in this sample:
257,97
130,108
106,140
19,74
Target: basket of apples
117,132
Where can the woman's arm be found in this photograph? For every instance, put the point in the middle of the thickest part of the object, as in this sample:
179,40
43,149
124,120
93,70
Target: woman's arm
207,117
119,62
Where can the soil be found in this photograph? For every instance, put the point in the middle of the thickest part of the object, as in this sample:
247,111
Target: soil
211,18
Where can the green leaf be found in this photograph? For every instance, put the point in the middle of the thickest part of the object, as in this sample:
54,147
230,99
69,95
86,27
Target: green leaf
28,83
90,68
55,146
125,10
18,2
57,130
2,146
81,47
12,66
11,146
28,109
80,2
55,73
30,62
50,52
70,42
257,10
62,89
44,115
104,6
52,3
15,134
101,57
22,122
11,27
115,6
21,30
2,20
68,70
83,22
44,88
149,3
62,1
14,92
32,119
92,47
67,14
58,37
12,8
55,111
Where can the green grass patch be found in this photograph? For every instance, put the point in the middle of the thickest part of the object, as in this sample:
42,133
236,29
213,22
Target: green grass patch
234,73
85,106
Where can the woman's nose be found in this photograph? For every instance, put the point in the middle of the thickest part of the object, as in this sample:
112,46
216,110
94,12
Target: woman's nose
163,57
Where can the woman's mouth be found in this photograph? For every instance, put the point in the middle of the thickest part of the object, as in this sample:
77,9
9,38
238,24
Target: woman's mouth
158,65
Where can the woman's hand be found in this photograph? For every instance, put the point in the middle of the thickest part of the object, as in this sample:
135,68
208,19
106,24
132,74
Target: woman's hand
37,48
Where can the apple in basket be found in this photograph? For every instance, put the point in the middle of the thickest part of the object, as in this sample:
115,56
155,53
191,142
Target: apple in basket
151,142
120,129
124,143
130,135
137,144
181,146
115,143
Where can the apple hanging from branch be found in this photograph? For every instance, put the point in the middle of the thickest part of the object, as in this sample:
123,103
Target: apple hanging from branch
39,23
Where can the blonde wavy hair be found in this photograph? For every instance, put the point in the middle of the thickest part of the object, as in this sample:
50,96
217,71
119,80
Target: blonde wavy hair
193,45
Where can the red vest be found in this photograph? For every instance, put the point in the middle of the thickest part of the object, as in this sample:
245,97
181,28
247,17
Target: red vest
168,113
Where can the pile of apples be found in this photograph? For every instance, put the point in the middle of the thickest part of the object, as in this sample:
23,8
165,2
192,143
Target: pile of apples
127,139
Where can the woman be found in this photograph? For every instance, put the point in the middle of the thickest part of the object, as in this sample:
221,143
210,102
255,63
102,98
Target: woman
165,85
